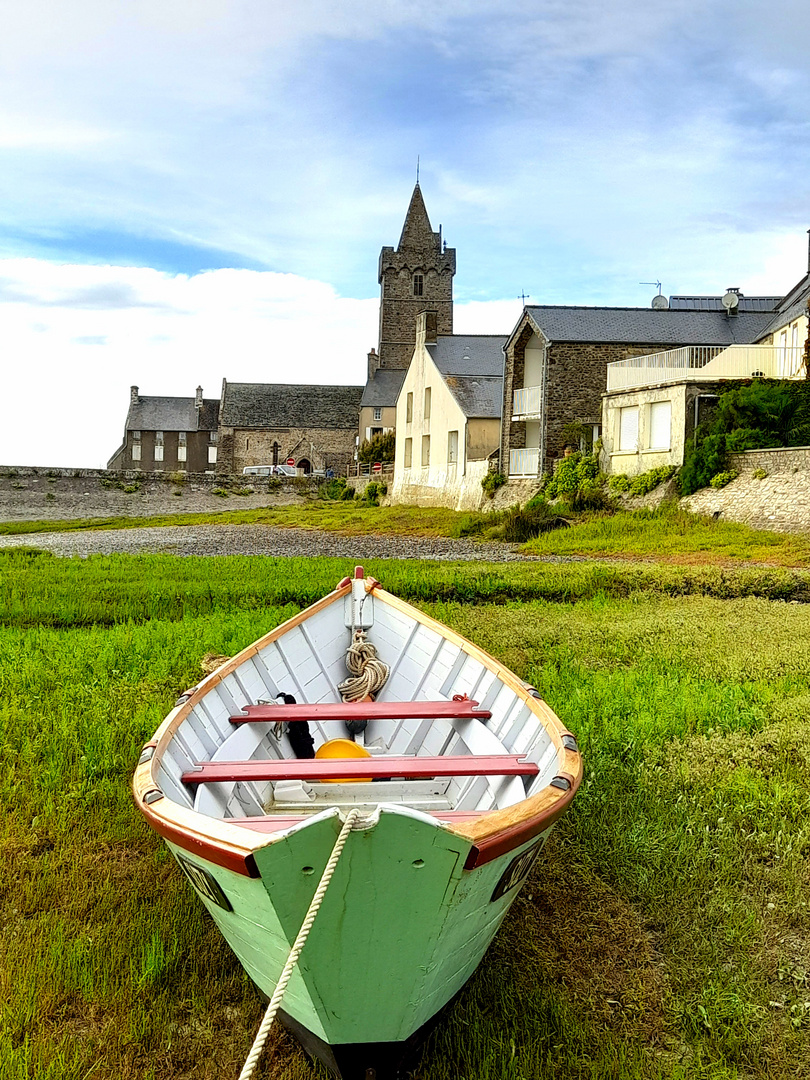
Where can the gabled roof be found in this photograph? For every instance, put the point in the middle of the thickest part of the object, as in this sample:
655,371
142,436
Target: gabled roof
383,390
172,414
480,397
791,306
644,326
468,354
472,368
277,405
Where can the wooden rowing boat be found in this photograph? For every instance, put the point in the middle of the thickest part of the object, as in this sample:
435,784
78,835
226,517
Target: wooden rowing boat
460,772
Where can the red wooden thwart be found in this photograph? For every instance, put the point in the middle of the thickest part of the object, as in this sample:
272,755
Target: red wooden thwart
365,710
360,768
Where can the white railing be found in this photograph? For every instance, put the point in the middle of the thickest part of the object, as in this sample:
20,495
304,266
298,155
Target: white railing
706,363
524,462
527,402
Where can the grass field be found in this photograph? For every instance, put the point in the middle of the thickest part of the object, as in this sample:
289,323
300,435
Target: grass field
667,534
664,936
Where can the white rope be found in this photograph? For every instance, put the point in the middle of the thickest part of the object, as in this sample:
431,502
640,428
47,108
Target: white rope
298,945
369,674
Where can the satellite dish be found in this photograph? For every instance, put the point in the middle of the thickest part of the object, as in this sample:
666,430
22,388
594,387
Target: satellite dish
660,303
730,300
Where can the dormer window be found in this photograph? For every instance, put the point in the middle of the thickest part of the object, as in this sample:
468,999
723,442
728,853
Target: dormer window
418,284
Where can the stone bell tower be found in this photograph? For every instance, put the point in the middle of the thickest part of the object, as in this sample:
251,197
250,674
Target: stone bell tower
418,275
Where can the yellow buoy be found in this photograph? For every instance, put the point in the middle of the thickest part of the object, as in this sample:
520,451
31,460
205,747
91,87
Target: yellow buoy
342,748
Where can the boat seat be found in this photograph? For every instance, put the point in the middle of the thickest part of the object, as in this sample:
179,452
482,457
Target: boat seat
208,772
365,710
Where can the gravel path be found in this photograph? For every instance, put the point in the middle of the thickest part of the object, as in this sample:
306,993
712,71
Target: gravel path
262,540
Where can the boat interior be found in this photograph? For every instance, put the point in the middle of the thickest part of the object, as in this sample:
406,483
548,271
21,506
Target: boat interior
459,741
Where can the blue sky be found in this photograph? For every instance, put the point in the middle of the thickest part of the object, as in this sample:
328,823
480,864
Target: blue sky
198,189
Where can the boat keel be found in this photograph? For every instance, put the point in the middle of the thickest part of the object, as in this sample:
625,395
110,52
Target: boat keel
361,1061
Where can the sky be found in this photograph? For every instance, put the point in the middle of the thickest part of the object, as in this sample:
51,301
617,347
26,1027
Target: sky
199,189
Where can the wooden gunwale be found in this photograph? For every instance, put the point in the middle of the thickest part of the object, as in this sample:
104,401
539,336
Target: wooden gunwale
491,832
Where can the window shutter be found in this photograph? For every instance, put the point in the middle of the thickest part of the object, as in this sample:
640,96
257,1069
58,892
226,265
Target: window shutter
660,423
628,428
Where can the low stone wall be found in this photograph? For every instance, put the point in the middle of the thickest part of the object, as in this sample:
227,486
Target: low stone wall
780,500
782,459
29,494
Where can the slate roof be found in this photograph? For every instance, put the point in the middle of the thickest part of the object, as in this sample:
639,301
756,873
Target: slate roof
383,390
469,354
715,303
172,414
480,397
278,405
793,305
645,326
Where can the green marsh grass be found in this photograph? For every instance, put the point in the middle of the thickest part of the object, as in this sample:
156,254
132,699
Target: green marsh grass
665,934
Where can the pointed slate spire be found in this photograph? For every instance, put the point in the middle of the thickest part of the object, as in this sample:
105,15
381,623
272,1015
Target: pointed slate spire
417,234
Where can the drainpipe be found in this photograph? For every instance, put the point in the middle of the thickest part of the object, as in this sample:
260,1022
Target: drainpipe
697,409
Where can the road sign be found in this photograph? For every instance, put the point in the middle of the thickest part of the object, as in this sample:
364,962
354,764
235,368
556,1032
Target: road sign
290,460
377,466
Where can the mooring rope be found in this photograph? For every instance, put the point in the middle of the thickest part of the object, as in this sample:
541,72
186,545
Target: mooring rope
369,674
298,945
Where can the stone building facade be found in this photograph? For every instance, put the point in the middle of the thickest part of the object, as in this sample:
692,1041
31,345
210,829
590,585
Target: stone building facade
171,434
270,424
555,370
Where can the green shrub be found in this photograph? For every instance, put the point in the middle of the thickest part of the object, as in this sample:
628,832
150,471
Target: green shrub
334,490
379,448
492,482
619,483
759,474
518,524
591,500
130,489
719,480
177,477
108,484
374,490
50,496
648,481
242,490
574,473
348,494
222,492
274,483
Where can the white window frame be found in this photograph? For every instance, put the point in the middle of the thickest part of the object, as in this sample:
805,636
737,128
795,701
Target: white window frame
627,441
378,412
652,444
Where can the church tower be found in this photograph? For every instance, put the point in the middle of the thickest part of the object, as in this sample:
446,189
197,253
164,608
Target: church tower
418,276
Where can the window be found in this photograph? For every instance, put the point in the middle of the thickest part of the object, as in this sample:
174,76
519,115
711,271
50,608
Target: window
408,453
158,438
212,437
660,423
409,409
628,428
212,455
136,451
181,452
426,411
136,435
418,284
158,451
378,413
425,451
452,447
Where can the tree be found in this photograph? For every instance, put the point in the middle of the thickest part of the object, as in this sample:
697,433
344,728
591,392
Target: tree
378,448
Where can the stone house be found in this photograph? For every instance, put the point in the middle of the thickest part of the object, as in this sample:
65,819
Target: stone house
270,423
654,404
175,434
556,364
448,417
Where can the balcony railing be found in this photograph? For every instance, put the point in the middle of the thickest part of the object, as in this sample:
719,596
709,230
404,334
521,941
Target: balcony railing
524,462
706,363
527,403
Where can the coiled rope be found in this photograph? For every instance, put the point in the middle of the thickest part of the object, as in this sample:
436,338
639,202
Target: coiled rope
369,674
298,946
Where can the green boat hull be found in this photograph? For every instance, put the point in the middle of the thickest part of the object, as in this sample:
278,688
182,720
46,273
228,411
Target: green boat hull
402,927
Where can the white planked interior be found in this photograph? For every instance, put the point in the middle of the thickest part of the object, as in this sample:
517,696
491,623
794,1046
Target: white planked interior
308,662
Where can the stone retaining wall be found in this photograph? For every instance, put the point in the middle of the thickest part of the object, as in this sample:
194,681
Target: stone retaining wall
29,494
780,459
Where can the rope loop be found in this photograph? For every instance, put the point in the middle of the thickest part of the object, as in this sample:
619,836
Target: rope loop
369,674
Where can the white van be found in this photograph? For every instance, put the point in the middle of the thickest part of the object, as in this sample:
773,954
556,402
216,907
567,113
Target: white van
270,470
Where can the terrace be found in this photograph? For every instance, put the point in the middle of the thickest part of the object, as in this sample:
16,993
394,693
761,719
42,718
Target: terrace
706,363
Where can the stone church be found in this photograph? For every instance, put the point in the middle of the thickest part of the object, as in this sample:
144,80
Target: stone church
415,276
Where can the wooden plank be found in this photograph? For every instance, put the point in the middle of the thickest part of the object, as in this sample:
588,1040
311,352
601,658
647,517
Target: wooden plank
364,710
361,768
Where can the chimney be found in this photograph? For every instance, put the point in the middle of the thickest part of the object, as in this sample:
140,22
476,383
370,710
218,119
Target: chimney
426,327
373,363
198,402
133,395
